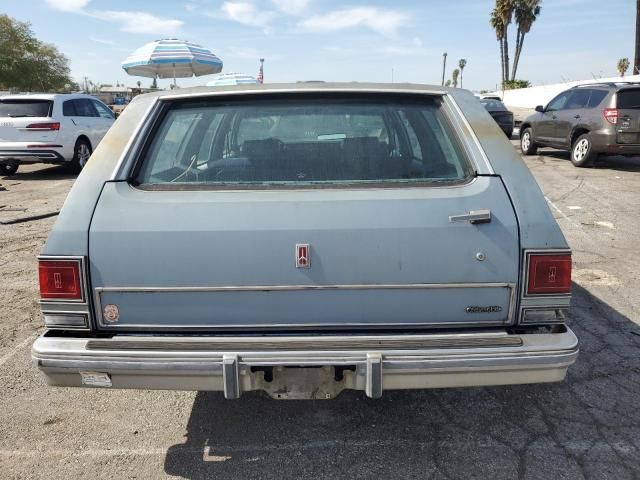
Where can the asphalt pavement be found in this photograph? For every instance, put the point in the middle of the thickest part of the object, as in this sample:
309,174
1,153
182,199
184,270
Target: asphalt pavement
585,427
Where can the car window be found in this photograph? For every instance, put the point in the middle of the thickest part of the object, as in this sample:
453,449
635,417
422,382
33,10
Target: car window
579,98
596,97
629,99
84,108
558,103
69,108
25,108
103,110
494,105
303,142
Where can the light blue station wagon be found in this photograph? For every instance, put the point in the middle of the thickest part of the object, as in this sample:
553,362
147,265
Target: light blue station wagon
304,239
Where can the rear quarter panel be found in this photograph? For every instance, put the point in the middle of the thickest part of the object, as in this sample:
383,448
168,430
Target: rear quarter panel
69,235
538,228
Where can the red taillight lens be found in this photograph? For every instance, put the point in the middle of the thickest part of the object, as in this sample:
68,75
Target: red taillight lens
60,279
549,274
611,115
44,126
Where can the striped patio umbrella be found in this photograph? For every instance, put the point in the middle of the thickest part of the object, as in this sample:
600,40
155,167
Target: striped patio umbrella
172,58
225,79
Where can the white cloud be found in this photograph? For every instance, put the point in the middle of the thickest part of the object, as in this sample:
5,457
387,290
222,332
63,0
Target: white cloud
292,7
102,41
139,22
380,20
68,5
247,14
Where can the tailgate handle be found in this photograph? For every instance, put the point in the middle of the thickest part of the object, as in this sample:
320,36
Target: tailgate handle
474,216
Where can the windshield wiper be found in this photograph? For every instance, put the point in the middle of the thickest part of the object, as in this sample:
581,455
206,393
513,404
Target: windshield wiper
18,116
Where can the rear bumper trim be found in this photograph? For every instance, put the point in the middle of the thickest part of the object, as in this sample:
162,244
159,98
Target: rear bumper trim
538,358
31,156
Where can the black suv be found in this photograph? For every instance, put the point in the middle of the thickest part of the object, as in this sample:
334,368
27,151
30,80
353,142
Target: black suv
588,120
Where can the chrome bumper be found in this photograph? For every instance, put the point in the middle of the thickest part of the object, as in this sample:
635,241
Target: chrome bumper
371,363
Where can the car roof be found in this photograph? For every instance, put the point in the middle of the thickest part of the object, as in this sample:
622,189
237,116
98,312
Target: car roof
303,87
43,96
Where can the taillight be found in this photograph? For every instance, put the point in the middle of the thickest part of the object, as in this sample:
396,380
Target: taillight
49,126
60,279
611,115
549,274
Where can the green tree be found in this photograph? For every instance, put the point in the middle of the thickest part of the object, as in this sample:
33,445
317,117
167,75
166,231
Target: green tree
447,83
511,84
154,84
496,23
454,77
526,12
504,10
462,63
623,66
28,64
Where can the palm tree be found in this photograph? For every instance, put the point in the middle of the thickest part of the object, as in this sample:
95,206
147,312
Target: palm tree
447,83
504,9
462,63
526,12
623,66
139,83
498,26
454,77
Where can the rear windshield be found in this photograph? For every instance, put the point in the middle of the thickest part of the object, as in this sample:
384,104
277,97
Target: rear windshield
25,108
298,142
629,99
493,105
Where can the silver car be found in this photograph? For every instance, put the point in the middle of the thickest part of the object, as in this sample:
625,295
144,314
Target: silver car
304,239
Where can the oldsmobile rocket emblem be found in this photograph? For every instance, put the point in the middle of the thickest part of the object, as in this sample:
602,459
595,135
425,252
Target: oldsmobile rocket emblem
303,255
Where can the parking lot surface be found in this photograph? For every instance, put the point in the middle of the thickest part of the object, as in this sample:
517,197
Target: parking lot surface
585,427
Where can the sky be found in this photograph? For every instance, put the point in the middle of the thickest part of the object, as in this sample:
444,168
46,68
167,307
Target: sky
337,40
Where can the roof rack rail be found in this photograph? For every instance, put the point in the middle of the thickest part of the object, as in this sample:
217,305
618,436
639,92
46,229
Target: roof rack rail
606,84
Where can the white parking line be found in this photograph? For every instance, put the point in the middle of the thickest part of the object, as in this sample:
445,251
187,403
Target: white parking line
564,215
17,348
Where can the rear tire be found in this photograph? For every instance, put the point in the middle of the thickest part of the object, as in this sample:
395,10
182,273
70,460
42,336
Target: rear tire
8,168
582,154
527,145
81,154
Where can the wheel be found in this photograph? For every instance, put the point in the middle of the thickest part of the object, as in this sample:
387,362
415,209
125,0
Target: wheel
582,154
8,168
81,154
526,142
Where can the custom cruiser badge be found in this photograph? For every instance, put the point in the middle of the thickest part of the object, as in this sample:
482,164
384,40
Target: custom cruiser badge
303,255
487,309
110,313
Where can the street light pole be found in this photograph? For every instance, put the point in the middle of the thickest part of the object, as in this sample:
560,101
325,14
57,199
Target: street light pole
444,66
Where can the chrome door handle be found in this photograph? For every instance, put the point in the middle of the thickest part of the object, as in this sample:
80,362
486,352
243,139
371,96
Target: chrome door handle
474,216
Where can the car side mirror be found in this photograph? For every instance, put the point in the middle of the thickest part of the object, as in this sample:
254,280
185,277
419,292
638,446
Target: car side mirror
540,109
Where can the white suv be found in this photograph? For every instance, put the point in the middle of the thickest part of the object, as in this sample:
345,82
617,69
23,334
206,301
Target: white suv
50,128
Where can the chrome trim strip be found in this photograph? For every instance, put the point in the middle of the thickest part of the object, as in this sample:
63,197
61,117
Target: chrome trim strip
336,342
471,134
269,288
272,288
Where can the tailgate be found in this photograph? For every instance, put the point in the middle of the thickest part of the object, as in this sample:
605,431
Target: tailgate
201,260
331,212
26,121
628,125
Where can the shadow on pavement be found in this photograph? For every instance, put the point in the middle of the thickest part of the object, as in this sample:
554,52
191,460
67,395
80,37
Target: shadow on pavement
585,427
623,164
54,172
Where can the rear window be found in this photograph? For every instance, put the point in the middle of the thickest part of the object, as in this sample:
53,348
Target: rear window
25,108
303,142
629,99
493,105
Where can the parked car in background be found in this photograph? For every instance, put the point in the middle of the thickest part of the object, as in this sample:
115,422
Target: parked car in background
588,120
50,128
500,113
303,239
